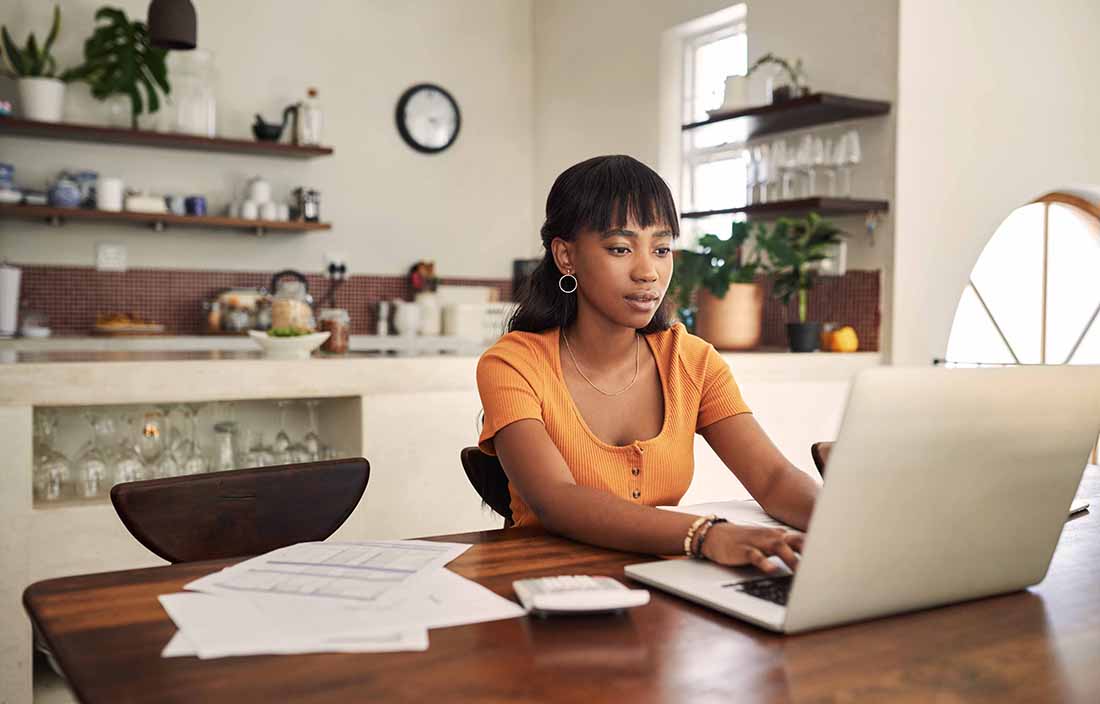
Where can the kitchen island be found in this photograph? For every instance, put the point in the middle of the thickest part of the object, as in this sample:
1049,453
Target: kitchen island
408,415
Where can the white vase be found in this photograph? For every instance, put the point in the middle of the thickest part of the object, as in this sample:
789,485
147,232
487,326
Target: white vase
41,99
431,315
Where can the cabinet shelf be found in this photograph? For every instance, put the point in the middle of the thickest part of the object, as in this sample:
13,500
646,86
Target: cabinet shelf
158,220
10,126
796,113
818,204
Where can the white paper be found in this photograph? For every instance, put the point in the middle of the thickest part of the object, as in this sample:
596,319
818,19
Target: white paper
220,626
359,571
737,511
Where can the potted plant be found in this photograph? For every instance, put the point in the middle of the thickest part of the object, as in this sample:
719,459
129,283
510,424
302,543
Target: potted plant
792,246
715,289
41,91
776,91
118,60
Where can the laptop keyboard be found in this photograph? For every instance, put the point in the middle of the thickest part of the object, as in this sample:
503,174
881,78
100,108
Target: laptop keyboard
773,589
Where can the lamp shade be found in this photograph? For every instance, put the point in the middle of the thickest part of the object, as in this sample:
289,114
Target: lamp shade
172,24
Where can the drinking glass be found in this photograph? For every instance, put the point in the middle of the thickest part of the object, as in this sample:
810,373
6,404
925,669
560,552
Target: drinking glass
840,158
52,469
282,438
779,171
257,454
128,465
762,156
817,160
805,162
750,176
195,461
312,440
225,446
93,463
855,156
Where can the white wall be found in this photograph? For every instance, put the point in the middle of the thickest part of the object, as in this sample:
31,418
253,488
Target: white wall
597,88
997,105
469,207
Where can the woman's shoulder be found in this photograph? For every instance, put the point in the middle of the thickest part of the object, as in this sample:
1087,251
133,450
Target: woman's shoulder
530,353
692,353
681,343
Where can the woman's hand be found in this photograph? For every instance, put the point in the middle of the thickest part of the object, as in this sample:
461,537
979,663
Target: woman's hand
733,544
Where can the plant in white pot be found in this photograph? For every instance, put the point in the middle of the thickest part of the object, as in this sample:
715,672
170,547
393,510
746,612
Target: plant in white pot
41,90
792,247
716,290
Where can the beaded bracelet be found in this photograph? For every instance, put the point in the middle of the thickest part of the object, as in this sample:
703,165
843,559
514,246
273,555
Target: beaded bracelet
691,532
703,532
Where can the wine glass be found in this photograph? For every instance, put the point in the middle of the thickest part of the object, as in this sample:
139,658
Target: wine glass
312,440
282,438
257,454
779,170
855,156
195,462
817,160
180,443
128,465
840,157
93,463
762,156
52,469
750,156
805,163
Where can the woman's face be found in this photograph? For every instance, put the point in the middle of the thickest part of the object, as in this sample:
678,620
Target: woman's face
623,273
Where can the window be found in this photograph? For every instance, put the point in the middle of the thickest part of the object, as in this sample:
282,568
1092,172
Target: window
713,175
1034,293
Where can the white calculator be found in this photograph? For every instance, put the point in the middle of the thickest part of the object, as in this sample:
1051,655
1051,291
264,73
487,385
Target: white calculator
576,594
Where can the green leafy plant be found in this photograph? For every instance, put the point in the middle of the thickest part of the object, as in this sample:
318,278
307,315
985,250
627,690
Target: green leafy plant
716,265
32,61
118,59
791,247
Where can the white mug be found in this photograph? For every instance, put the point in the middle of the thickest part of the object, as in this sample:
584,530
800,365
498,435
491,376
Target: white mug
406,318
108,194
284,212
249,210
269,211
235,209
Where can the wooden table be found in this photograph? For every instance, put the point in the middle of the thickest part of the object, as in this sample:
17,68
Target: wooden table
1041,645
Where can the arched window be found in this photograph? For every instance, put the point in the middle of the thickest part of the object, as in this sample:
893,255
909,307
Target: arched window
1034,293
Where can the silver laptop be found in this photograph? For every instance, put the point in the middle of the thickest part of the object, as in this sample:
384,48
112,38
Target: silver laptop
943,485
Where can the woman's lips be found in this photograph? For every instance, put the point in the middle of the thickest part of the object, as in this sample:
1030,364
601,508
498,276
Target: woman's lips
643,303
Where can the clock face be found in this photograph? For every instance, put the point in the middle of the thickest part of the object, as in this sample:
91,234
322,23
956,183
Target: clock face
428,118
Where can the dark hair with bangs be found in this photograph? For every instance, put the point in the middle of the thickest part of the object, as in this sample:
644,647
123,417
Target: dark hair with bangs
597,194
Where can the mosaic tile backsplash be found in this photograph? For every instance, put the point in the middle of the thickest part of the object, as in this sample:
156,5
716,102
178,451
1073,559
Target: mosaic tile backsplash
72,296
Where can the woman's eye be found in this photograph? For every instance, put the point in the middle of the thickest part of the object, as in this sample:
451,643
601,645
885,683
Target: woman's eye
618,250
663,251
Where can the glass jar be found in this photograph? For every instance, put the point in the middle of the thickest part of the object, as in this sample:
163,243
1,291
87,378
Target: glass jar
337,323
192,105
310,120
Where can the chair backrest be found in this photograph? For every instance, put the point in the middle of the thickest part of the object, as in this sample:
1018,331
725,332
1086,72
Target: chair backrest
243,511
820,452
489,481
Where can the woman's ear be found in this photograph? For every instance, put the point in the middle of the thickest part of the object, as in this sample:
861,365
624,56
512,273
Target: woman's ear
563,255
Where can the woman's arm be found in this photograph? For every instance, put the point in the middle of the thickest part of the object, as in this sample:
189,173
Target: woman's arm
536,468
783,490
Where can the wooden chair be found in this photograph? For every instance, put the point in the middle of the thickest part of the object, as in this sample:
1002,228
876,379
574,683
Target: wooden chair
820,452
243,511
489,481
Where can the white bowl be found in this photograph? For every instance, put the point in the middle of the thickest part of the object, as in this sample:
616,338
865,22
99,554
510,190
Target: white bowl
298,347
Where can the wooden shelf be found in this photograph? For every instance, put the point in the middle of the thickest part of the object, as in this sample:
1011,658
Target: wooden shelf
10,126
819,205
158,220
808,111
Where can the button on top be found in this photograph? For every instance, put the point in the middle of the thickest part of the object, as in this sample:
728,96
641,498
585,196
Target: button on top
635,471
636,494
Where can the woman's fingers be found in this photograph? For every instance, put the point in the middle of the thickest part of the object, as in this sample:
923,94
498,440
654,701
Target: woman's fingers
760,560
776,542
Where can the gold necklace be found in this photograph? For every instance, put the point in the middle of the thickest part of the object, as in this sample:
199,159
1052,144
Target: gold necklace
637,346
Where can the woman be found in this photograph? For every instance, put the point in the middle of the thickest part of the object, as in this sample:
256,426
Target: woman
592,399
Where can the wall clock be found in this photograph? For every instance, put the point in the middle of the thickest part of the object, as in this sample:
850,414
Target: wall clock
428,118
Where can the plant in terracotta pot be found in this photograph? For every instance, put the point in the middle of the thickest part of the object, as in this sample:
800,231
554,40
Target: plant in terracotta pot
715,288
41,90
792,247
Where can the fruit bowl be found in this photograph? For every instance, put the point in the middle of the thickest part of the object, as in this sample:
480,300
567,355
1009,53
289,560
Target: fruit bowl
297,347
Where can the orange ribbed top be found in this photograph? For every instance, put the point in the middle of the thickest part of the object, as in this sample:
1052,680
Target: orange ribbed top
521,377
